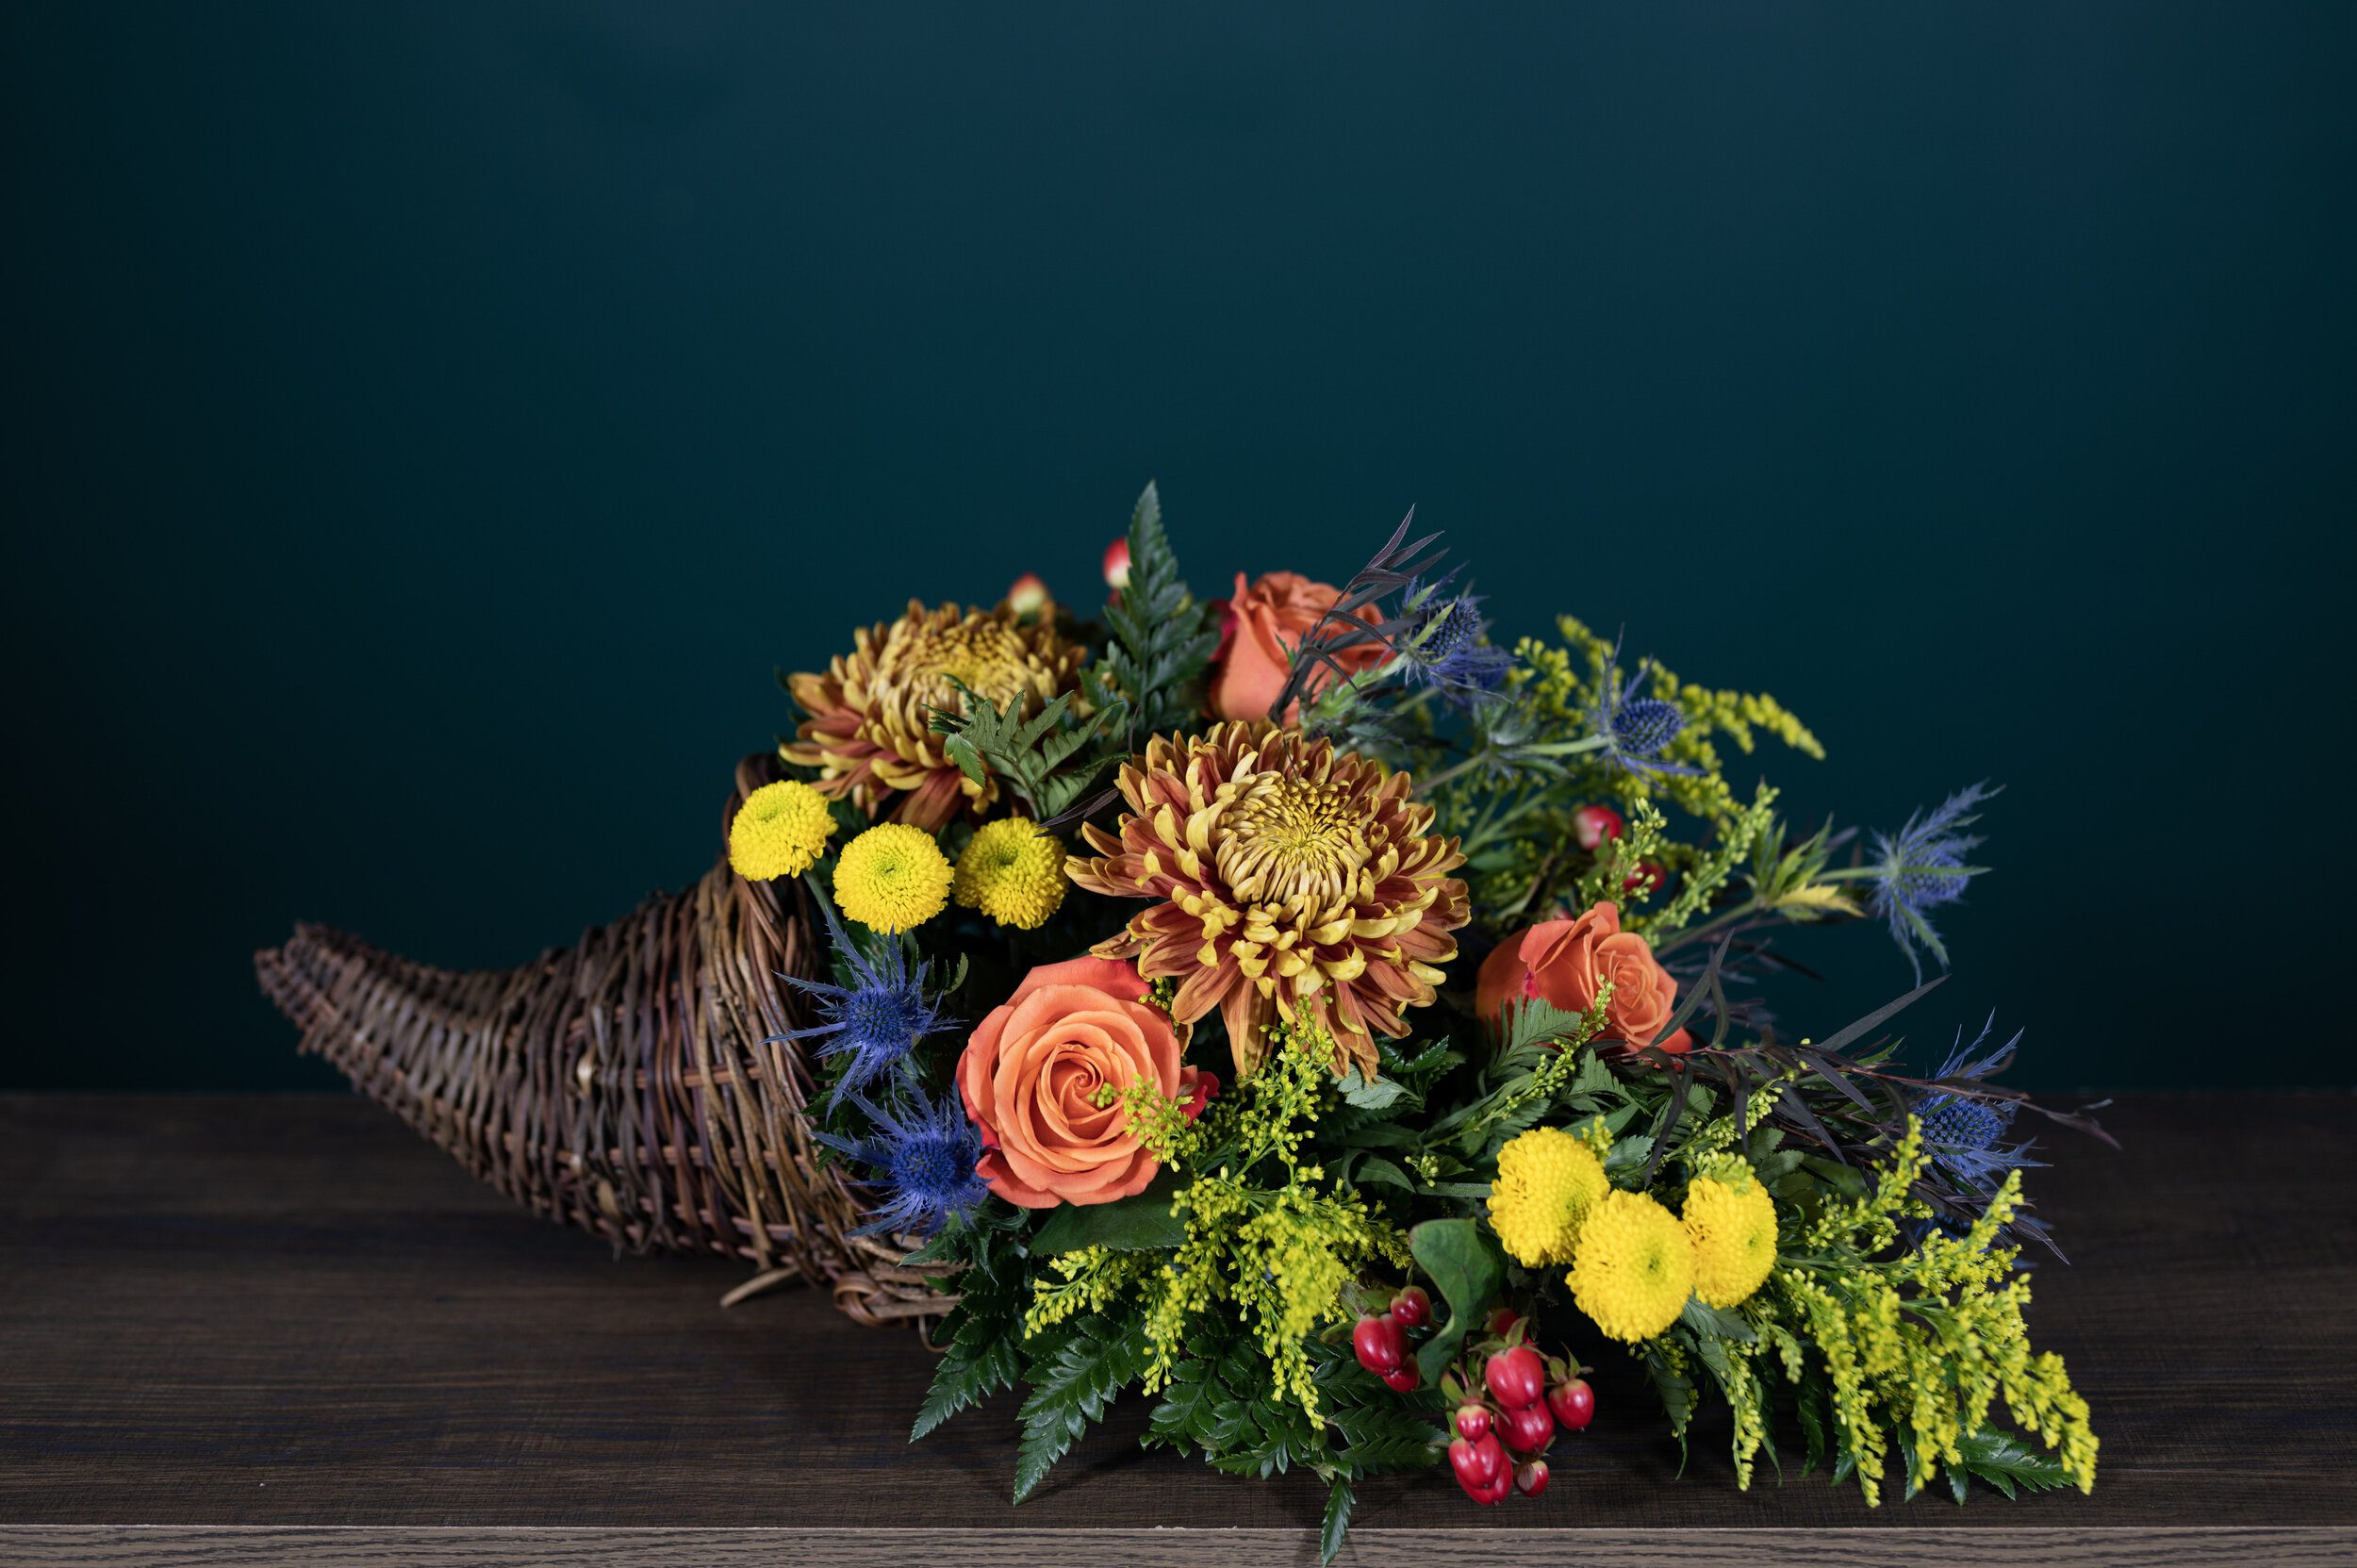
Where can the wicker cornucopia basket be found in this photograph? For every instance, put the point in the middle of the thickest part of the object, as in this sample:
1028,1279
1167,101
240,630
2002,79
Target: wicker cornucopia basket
630,1084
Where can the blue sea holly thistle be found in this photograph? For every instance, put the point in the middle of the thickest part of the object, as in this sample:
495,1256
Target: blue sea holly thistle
1632,732
1444,647
1966,1134
922,1153
876,1020
1921,868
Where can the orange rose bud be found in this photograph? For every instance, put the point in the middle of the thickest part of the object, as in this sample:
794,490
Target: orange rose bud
1029,595
1261,626
1032,1071
1561,962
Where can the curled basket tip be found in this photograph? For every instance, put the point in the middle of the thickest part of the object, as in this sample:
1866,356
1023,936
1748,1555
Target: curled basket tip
629,1084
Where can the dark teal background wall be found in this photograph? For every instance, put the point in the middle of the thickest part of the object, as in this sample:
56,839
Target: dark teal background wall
428,425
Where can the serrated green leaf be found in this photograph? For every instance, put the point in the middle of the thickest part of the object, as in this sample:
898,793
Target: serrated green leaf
1159,647
1391,1452
1365,1096
980,1357
1537,1021
1182,1417
969,761
1071,1386
1714,1323
2005,1461
1809,1408
1338,1501
1042,758
1912,1475
961,1384
1627,1154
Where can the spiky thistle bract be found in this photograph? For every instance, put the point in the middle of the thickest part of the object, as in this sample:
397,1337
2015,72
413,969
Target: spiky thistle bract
876,1020
922,1153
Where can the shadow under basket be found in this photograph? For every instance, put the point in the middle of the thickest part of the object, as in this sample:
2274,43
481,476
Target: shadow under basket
630,1084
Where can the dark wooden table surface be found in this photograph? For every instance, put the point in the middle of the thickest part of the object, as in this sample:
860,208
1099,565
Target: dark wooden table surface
282,1328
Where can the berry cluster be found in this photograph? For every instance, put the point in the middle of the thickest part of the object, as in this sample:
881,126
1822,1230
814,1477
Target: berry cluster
1506,1423
1382,1341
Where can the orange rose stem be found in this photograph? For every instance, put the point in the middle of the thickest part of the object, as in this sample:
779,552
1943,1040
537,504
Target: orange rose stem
1553,748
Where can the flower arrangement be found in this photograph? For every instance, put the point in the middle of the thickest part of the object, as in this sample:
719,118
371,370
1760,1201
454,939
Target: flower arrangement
1321,1017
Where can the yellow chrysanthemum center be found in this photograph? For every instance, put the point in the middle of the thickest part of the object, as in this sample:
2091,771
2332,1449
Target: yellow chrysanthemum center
1293,842
1633,1268
1011,872
892,878
985,655
779,831
1731,1225
1547,1180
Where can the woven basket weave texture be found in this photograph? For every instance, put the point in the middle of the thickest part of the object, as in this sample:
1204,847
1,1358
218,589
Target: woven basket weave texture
632,1085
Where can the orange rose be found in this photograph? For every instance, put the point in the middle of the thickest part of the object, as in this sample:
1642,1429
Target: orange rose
1561,960
1030,1074
1259,625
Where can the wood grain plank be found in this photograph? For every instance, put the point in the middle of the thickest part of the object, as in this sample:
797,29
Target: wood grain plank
289,1312
183,1546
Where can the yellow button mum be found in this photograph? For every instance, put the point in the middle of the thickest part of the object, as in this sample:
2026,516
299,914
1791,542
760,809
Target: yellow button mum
1731,1225
1633,1268
892,878
779,831
1546,1182
1011,872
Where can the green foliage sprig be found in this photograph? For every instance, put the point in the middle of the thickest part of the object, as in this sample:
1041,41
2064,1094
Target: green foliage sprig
1050,760
1161,642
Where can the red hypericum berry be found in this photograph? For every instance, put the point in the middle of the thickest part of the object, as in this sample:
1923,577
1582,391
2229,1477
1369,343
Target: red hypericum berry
1503,1319
1517,1378
1497,1491
1411,1308
1379,1344
1476,1464
1529,1431
1647,875
1464,1466
1594,824
1029,595
1117,563
1531,1479
1473,1421
1404,1379
1574,1404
